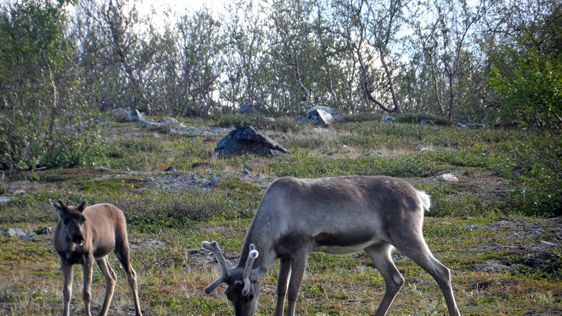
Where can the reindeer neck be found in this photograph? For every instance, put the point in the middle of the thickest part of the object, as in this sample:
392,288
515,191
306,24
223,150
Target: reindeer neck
261,238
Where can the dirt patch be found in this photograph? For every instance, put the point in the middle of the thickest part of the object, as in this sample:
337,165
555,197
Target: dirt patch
146,243
202,257
519,229
532,244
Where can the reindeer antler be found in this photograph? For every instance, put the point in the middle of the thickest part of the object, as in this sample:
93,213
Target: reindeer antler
223,263
248,269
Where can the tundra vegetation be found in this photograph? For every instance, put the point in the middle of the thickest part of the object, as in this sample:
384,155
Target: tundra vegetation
493,62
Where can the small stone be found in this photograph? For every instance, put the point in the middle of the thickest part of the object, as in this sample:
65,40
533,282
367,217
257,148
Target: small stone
244,173
548,243
28,237
215,180
247,108
206,183
448,177
120,114
102,168
14,232
43,231
387,118
4,200
370,153
135,116
426,121
191,180
19,192
427,148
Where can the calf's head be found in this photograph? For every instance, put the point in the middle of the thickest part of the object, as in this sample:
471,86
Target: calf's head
72,220
243,282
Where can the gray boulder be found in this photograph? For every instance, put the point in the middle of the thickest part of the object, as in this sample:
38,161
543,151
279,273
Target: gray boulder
135,116
164,125
155,126
17,232
169,121
247,108
120,114
426,121
247,140
322,115
387,118
4,200
471,125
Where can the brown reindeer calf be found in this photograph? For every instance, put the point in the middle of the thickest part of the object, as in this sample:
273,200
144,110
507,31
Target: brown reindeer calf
87,234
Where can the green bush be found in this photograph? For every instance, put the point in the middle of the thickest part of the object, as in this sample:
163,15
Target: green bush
540,170
416,118
70,150
27,148
529,89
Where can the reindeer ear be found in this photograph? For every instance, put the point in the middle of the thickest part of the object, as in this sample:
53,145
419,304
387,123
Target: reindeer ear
81,207
57,207
54,204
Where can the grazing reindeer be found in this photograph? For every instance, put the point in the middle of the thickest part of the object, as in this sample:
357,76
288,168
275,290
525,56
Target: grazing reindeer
338,215
87,234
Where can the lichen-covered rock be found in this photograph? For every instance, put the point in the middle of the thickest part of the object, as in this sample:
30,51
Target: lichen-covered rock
247,140
387,118
322,115
448,177
135,116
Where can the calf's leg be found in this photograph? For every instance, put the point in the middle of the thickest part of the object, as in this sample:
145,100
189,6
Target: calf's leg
110,277
67,288
87,267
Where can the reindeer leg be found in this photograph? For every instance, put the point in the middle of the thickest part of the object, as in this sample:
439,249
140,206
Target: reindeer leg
298,266
67,288
123,256
110,277
87,267
415,247
284,270
382,260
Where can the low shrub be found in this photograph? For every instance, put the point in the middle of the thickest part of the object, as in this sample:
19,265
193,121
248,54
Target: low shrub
280,123
416,118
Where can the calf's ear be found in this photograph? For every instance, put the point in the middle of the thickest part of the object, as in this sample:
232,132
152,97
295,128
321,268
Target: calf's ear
81,207
58,207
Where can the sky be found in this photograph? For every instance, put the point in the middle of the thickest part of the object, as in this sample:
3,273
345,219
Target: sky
180,6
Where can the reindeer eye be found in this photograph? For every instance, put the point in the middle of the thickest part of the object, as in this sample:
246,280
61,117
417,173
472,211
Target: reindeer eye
249,297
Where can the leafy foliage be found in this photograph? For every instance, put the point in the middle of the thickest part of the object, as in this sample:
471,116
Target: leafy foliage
532,91
34,57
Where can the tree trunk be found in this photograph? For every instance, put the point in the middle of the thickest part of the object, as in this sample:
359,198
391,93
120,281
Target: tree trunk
54,102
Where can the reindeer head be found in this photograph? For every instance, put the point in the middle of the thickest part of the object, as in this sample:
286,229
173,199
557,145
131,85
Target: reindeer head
72,220
243,283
